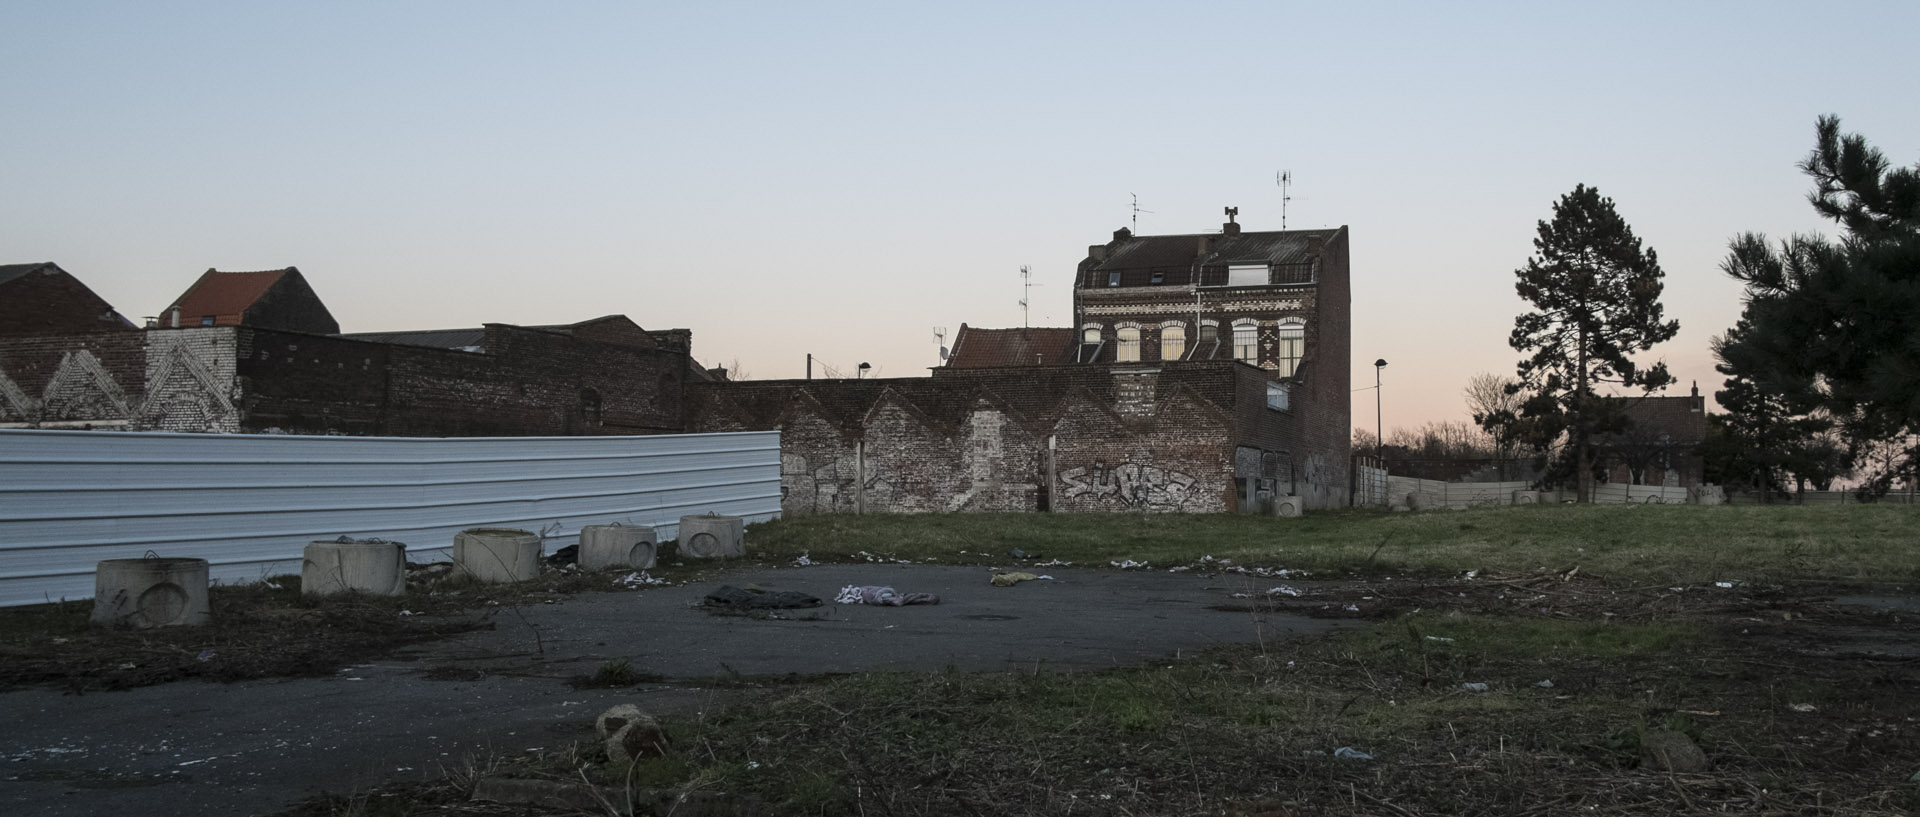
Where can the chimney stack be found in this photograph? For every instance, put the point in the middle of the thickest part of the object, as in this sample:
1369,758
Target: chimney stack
1231,227
173,316
1097,252
1315,243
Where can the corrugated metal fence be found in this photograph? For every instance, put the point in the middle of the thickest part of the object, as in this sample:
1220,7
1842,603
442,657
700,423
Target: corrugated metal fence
249,503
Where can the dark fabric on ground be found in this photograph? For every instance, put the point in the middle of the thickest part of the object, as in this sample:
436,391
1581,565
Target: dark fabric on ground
736,598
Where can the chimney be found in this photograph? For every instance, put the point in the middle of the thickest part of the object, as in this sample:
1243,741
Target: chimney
1122,234
1315,243
173,316
1097,252
1231,227
1206,246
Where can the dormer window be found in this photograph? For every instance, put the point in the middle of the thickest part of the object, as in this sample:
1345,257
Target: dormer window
1247,275
1113,279
206,320
1159,276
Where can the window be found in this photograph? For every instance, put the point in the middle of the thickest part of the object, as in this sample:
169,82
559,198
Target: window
1128,348
1113,279
1247,275
1277,396
1246,342
1159,276
1209,333
206,320
1173,342
1090,335
1293,343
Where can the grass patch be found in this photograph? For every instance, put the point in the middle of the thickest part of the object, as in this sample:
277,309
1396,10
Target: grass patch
1238,727
1633,543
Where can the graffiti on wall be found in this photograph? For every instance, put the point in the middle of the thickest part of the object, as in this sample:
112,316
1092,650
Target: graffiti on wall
1135,486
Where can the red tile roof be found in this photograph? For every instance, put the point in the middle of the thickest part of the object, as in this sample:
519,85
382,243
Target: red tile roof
989,348
223,295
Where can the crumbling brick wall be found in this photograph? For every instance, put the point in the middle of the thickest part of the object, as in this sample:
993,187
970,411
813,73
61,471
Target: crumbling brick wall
1123,439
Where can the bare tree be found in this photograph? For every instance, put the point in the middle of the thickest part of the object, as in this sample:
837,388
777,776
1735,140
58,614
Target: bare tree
1494,402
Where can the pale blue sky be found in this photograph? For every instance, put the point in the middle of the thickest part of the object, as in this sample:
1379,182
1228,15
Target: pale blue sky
840,179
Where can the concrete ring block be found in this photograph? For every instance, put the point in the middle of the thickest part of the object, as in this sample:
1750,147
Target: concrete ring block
711,536
628,547
497,555
155,592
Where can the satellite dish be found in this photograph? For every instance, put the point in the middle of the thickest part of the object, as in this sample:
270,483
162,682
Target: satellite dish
943,353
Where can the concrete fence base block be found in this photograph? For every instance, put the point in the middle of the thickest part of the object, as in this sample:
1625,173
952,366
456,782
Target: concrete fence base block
1289,506
376,568
628,547
1526,497
497,555
151,593
711,536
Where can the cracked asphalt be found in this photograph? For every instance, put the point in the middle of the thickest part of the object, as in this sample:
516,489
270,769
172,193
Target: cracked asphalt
210,750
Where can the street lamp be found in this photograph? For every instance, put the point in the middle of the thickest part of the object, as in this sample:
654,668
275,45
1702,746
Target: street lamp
1379,430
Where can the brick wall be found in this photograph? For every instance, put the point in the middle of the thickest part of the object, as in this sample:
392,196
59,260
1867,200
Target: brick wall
72,381
246,379
1125,438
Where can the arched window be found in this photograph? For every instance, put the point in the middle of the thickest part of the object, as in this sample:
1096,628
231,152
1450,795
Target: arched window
1246,342
1173,342
1293,346
1090,335
1128,348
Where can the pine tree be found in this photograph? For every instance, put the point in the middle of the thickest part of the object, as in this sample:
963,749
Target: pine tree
1840,320
1596,294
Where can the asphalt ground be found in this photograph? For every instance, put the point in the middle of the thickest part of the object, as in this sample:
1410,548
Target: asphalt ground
211,750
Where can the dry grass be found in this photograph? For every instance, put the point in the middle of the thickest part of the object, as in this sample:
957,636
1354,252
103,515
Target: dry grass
1644,544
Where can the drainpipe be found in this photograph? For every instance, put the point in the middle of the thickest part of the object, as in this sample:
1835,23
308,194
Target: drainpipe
859,476
1053,495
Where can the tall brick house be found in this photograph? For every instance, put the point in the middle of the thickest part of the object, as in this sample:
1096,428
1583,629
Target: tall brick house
39,299
1131,409
269,299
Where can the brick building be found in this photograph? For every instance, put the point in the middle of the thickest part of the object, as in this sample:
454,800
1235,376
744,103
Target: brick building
1124,411
40,299
1661,445
605,376
268,299
235,363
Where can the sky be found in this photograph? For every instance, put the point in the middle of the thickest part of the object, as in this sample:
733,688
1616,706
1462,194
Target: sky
840,179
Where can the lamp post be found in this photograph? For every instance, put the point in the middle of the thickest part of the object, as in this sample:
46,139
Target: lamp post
1379,429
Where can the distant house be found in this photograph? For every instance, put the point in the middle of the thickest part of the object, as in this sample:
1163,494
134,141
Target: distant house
1661,444
269,299
975,348
42,299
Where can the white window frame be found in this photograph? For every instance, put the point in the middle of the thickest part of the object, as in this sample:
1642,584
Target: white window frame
1126,348
1246,342
1295,330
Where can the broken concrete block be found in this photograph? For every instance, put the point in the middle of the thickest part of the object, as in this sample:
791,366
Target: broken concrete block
628,547
711,536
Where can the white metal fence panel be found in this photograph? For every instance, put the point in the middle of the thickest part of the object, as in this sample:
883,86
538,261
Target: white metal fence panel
248,504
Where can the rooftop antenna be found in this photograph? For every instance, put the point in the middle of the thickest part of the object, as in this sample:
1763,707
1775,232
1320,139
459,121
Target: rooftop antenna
1136,212
1284,178
1026,292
